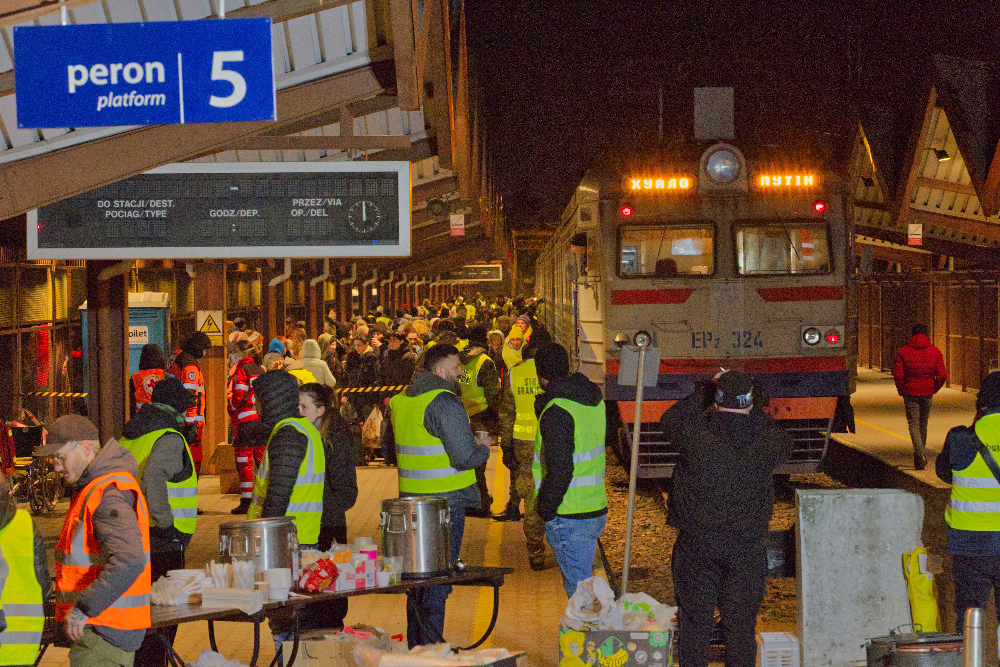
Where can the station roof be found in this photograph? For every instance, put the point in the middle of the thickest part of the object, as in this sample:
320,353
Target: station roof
939,167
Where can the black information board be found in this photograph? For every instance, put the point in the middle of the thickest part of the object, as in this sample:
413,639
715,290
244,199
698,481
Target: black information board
239,209
484,273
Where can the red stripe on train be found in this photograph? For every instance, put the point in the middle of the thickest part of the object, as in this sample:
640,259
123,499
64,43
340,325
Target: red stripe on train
770,365
637,297
827,293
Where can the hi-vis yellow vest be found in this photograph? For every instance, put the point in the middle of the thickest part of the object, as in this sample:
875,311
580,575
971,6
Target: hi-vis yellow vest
586,492
21,599
473,396
975,492
182,496
524,385
306,503
424,466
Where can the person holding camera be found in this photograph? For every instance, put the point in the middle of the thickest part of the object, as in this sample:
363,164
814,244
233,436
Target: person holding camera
721,503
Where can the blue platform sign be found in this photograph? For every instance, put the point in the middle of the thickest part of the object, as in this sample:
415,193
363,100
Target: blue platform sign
144,73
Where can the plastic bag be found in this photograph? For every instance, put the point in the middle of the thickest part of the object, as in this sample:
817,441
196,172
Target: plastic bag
592,606
641,612
209,658
372,429
922,590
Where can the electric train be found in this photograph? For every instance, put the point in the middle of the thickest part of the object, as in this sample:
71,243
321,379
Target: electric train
727,261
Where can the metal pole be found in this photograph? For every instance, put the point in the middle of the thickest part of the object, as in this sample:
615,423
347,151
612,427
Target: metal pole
634,467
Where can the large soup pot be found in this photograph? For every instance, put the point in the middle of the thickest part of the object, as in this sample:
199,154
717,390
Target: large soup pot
269,543
418,529
920,649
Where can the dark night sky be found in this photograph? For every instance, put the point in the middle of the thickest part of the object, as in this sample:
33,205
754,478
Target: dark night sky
564,83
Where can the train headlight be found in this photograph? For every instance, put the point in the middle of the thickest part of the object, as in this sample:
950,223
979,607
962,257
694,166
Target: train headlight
642,339
722,166
811,336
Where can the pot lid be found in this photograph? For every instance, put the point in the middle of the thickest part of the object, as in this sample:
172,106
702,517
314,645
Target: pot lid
415,501
250,524
896,639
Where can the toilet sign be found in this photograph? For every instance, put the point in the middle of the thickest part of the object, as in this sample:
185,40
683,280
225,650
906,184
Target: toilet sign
209,322
915,234
138,335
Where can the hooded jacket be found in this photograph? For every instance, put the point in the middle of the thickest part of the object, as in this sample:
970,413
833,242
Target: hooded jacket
116,529
361,370
312,361
557,429
278,395
167,462
919,368
445,418
723,483
398,365
7,510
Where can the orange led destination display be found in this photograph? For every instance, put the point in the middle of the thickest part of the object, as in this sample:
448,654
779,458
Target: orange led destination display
659,184
786,180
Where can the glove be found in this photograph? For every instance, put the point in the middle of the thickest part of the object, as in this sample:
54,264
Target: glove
167,533
75,622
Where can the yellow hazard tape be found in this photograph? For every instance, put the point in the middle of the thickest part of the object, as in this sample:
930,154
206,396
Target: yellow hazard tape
58,394
365,390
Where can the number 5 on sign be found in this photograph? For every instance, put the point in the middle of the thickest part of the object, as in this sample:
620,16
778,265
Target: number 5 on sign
219,73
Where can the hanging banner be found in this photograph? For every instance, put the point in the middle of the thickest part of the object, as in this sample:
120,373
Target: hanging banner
110,74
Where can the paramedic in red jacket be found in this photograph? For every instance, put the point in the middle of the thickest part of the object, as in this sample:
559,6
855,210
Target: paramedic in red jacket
249,433
919,373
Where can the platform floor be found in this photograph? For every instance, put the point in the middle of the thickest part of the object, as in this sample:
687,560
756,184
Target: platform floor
530,602
881,429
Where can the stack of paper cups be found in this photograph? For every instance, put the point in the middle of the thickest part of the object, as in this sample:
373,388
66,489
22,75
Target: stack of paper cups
279,582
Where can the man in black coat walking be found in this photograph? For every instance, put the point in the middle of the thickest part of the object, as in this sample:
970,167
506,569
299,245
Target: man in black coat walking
722,502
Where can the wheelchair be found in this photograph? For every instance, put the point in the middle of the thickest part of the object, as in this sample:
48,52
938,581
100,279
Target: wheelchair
34,480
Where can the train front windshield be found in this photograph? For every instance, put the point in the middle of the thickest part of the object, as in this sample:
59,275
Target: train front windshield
782,248
665,252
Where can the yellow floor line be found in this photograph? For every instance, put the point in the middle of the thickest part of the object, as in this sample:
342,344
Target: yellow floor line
879,428
491,557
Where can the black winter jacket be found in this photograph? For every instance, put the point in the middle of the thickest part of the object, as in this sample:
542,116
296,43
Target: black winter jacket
557,428
341,490
278,395
723,482
398,366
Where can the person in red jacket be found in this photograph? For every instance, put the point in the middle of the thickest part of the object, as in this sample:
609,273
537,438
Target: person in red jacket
249,434
185,368
919,373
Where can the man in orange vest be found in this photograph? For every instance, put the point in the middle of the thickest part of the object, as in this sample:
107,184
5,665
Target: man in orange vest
185,368
102,557
151,370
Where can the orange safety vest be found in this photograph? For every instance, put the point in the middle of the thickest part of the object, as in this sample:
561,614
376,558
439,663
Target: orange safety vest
80,560
144,381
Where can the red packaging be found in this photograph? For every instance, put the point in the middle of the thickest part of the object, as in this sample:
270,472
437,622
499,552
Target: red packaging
322,576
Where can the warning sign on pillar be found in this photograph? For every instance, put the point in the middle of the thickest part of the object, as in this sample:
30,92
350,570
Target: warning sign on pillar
210,322
458,224
915,234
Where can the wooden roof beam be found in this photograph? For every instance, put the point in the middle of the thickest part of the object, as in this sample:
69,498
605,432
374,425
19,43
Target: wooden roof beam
984,257
50,177
989,231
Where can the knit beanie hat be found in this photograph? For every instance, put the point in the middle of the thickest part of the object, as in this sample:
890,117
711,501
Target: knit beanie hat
552,362
525,319
170,391
734,390
278,394
989,392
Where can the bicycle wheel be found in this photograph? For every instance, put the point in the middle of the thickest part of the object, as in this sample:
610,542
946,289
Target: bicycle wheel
52,488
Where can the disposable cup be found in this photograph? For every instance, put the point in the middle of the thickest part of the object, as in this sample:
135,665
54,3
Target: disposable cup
279,577
263,586
482,435
383,578
278,593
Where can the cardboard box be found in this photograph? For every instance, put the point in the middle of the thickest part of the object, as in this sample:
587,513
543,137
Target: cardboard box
617,648
317,647
229,482
224,458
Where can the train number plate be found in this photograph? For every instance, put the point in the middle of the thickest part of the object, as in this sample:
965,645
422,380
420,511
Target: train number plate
732,340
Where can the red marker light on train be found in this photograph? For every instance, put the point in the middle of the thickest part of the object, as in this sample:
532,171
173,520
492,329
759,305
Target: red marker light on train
819,206
38,227
626,210
832,337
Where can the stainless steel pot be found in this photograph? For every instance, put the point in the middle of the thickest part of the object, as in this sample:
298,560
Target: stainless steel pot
419,530
269,543
920,649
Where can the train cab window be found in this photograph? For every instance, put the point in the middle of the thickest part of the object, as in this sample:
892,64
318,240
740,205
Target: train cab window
666,252
782,248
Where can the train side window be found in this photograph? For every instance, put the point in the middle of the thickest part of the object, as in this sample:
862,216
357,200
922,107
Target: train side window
782,248
666,252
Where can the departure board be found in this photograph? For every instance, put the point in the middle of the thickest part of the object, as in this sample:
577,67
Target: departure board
237,210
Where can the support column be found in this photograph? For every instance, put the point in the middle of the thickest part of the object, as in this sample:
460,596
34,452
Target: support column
107,348
272,305
210,294
314,299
